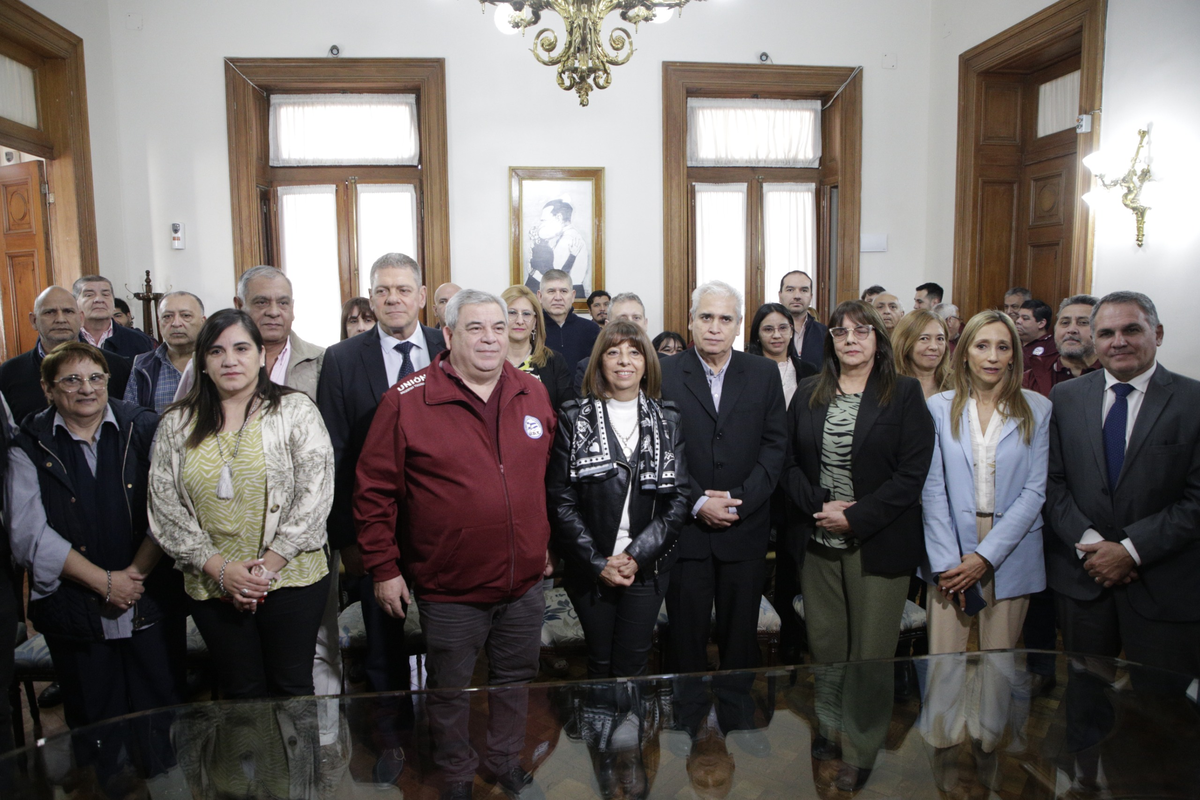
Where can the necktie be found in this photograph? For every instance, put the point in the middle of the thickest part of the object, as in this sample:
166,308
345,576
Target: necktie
1114,433
406,366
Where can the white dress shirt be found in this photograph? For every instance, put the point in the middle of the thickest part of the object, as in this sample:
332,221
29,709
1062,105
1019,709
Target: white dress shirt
983,451
393,359
1135,398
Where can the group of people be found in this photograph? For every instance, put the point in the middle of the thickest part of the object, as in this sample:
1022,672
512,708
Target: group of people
455,467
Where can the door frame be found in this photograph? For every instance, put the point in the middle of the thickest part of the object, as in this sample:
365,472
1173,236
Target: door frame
1053,26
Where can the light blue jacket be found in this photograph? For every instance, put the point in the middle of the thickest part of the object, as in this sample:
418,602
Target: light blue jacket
1014,545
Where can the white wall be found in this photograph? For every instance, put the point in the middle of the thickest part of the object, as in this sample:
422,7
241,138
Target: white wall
158,120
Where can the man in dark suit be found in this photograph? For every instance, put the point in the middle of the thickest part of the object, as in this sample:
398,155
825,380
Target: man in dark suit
1124,497
736,432
56,318
94,293
796,293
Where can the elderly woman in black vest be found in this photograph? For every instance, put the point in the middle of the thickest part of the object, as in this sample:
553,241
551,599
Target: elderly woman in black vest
109,607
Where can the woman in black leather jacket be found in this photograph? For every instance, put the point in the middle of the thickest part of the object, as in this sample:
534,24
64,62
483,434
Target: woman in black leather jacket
618,495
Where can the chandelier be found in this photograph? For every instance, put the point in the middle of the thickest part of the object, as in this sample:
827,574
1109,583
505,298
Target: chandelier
583,62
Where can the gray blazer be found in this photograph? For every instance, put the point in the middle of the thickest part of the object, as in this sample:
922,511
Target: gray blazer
1155,504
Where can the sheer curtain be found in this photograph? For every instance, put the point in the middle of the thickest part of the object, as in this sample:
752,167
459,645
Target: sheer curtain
387,223
721,236
18,95
311,129
1058,104
309,255
724,132
789,231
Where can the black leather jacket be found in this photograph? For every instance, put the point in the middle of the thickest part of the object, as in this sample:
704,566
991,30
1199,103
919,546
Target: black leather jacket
585,516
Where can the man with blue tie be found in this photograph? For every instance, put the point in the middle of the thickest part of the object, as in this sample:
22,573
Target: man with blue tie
1123,497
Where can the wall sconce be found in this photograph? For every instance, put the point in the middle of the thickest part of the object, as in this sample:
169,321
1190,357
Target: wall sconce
1131,183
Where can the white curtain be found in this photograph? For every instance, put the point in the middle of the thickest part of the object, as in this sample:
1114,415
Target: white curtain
309,255
311,129
726,132
721,236
18,95
1058,104
789,231
387,223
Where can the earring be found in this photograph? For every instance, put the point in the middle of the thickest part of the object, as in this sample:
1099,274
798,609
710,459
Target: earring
1010,366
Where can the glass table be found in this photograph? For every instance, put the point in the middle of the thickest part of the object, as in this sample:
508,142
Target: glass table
971,729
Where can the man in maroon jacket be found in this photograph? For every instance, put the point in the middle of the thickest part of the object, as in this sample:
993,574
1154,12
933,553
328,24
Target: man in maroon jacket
1073,341
451,499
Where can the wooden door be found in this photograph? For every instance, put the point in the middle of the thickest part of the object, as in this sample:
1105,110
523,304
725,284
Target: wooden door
24,261
1043,260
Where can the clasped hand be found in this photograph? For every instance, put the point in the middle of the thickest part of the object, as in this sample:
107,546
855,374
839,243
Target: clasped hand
832,517
715,512
619,570
954,582
127,588
1109,563
245,584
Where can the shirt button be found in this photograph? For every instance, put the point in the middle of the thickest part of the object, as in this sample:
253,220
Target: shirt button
274,508
129,486
72,499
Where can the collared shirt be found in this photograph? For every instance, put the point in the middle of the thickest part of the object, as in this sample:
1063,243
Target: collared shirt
798,332
716,379
168,380
1135,398
983,451
35,545
488,410
1042,376
279,371
394,359
87,337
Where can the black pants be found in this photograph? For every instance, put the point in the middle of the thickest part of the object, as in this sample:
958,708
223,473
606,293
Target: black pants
8,635
102,680
1040,631
268,653
736,588
618,623
387,659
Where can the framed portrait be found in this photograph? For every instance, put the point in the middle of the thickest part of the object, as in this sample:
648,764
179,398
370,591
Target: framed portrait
557,221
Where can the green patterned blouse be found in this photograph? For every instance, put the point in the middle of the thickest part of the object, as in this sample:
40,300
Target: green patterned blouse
236,526
836,444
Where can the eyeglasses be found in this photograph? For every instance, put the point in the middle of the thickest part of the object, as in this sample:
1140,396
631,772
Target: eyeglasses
860,332
513,314
769,330
73,383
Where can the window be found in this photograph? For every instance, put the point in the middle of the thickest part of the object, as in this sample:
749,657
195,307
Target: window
332,170
18,92
1058,104
756,161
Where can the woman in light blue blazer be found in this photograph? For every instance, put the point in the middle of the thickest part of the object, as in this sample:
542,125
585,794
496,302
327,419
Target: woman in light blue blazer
982,510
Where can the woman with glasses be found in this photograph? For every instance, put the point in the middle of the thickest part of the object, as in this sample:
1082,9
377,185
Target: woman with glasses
771,336
861,442
357,317
241,485
527,349
618,493
109,606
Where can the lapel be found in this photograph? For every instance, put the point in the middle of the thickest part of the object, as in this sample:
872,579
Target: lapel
1093,413
372,361
964,440
868,412
732,388
434,341
1158,394
697,384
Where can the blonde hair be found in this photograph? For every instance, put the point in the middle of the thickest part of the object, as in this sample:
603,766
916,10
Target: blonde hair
1011,402
540,354
904,340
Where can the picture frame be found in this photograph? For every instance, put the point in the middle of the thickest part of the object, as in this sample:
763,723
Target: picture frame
556,218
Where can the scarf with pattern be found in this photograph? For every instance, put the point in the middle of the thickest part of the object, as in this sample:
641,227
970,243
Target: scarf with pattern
592,458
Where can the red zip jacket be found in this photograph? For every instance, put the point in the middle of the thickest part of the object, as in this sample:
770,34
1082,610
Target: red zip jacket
470,518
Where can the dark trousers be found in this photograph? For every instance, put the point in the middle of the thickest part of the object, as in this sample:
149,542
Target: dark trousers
618,623
736,588
8,635
387,659
102,680
511,631
268,653
1041,631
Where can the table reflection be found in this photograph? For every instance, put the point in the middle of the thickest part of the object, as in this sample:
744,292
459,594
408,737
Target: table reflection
974,730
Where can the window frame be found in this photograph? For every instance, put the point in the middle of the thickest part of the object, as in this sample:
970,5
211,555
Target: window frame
248,83
841,166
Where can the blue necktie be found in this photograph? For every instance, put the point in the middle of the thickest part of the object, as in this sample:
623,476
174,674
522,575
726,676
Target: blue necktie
406,366
1114,433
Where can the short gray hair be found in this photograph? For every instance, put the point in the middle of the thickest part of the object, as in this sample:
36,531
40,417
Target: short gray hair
1078,300
627,297
946,310
77,286
720,289
396,261
470,297
1120,298
261,271
199,302
556,275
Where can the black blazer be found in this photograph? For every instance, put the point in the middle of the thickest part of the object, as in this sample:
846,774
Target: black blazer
813,349
20,380
739,450
556,377
1156,503
353,378
893,447
585,516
